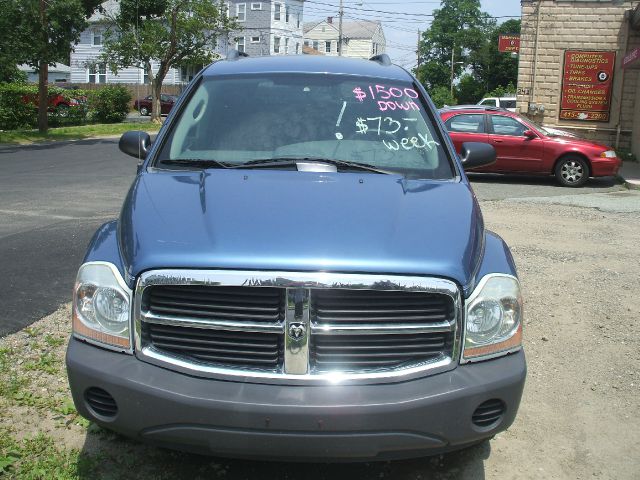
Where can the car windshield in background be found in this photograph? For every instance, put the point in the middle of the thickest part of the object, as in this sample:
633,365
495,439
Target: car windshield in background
339,118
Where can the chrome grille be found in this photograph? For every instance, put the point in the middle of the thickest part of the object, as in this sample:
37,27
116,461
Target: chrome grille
364,352
244,349
230,303
338,307
296,326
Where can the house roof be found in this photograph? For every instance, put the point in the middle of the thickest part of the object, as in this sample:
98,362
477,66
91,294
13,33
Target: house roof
107,9
357,29
57,68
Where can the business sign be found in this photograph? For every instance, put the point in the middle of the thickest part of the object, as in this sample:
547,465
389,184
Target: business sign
586,85
631,57
509,43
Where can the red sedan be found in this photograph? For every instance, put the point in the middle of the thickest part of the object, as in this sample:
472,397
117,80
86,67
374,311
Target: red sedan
522,146
143,105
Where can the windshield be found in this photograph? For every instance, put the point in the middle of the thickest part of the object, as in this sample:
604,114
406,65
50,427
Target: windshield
235,120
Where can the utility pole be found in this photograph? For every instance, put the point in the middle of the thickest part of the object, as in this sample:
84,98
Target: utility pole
453,50
418,51
43,73
340,14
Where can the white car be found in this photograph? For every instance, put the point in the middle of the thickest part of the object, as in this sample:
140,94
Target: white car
508,103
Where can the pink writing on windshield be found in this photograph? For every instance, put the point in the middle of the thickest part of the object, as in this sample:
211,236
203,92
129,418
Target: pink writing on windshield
381,92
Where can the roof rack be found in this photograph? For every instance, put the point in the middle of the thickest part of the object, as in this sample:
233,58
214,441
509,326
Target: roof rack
383,59
236,55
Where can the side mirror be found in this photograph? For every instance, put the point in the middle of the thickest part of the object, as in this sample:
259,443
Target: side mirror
476,154
530,134
135,143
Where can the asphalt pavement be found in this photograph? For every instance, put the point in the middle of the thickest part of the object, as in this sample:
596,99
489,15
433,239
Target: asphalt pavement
53,197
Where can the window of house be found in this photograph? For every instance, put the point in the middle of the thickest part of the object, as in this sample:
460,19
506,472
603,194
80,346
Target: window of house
241,12
97,38
286,46
256,6
144,77
466,123
286,14
327,46
297,48
277,11
240,44
276,44
97,73
316,46
255,39
306,43
298,20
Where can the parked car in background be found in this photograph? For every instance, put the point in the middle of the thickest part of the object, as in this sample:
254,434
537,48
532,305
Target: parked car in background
58,103
522,146
143,105
508,103
300,271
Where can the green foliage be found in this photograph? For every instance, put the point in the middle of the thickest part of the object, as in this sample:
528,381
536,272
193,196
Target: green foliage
109,104
459,26
19,103
441,96
39,458
492,67
15,112
469,90
169,32
462,28
503,91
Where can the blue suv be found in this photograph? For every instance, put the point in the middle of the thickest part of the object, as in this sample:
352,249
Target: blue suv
300,270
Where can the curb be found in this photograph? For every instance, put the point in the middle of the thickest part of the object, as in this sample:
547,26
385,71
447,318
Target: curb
632,184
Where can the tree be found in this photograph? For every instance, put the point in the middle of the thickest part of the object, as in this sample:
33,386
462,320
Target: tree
469,89
491,67
441,96
169,33
458,27
43,31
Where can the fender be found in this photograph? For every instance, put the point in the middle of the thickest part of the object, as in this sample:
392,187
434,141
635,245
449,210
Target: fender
103,247
497,258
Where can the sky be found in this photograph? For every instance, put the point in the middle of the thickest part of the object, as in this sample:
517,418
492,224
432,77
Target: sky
401,20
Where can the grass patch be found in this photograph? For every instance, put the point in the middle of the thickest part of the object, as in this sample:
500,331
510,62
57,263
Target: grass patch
73,133
47,362
39,458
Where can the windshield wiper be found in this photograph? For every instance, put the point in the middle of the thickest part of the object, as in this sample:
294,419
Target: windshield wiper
195,162
291,161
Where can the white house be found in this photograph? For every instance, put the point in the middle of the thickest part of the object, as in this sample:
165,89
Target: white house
360,39
58,73
86,69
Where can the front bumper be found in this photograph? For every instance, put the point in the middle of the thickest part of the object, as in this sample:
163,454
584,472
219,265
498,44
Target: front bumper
605,167
420,417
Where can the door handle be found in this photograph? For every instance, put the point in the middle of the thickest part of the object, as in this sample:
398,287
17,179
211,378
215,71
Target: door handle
497,141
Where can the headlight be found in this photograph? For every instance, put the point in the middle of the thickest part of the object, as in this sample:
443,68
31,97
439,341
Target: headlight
493,318
101,306
609,154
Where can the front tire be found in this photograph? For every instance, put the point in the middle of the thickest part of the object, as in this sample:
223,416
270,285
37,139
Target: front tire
144,111
572,171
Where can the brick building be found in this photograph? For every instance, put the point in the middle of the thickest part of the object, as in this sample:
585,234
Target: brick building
573,73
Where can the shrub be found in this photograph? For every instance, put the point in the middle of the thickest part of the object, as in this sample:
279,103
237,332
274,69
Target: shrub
441,96
109,104
16,111
19,106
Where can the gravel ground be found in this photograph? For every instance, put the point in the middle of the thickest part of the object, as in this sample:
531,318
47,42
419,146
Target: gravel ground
580,414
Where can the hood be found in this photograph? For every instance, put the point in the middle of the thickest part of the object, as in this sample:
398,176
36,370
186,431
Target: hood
300,221
572,139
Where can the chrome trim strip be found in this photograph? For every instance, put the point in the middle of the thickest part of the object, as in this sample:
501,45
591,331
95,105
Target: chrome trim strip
215,324
382,329
300,280
296,334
